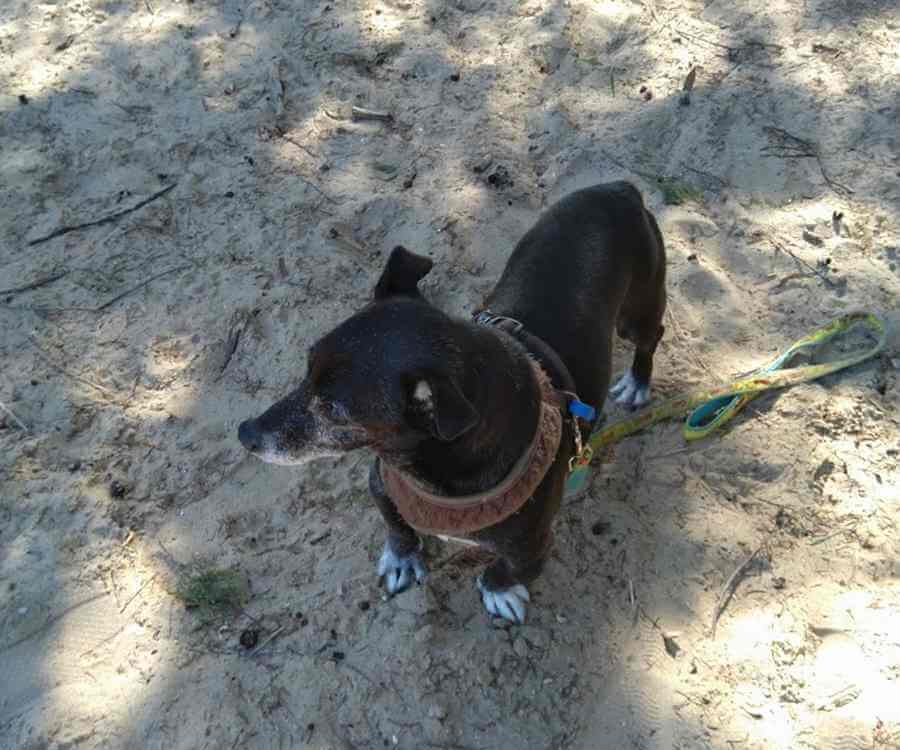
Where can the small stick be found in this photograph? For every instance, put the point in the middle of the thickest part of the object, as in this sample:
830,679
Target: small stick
298,145
803,263
267,641
112,585
103,220
133,289
12,414
833,534
360,113
134,595
634,608
43,355
729,587
34,284
307,181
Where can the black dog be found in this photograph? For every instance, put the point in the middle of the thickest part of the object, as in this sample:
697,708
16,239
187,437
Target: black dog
471,422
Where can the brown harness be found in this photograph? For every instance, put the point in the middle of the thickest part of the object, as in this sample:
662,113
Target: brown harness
431,513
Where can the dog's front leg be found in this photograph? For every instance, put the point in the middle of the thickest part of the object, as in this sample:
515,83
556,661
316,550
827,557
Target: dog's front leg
401,562
503,583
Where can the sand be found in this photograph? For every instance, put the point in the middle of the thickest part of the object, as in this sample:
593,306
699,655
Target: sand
131,349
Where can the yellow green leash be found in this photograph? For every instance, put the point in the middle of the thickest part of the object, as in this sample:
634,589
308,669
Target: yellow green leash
710,408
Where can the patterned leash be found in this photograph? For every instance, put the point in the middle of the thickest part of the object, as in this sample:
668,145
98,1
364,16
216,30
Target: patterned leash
710,408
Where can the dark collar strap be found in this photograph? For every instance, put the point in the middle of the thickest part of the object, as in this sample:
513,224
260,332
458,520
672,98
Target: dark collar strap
548,359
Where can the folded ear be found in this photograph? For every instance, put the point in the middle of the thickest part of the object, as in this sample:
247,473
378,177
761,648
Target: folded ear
449,413
402,273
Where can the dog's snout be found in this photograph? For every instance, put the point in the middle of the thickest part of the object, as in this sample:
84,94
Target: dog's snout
250,435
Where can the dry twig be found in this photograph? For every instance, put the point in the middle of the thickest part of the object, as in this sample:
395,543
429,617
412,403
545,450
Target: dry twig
59,368
267,641
788,146
34,284
12,414
729,588
135,594
818,272
104,219
360,113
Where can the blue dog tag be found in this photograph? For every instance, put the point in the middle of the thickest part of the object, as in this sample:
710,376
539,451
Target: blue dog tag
582,410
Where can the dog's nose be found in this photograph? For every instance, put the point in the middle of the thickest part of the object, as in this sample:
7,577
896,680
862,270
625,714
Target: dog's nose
250,435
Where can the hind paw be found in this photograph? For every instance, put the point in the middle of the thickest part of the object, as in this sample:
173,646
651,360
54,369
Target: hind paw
506,603
630,392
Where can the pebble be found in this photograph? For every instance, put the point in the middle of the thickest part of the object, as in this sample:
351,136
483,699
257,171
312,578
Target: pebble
424,634
249,638
437,711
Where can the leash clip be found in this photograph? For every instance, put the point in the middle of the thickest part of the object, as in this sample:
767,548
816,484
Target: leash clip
583,453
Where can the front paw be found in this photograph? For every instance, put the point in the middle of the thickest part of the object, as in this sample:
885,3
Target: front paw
506,603
398,571
630,392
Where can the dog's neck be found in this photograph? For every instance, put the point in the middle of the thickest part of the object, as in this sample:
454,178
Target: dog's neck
500,383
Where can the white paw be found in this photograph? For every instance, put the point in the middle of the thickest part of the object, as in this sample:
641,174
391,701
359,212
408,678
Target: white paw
400,571
629,392
506,603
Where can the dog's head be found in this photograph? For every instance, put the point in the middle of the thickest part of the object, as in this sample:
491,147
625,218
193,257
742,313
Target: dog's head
388,378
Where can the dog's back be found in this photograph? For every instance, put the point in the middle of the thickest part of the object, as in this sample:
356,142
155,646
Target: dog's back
594,259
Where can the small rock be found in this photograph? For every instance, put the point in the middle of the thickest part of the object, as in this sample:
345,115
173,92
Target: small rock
424,634
813,239
437,711
363,606
23,99
249,638
500,178
520,648
672,648
117,489
483,164
74,466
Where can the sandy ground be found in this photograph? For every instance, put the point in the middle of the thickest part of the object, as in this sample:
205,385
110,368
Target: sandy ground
132,348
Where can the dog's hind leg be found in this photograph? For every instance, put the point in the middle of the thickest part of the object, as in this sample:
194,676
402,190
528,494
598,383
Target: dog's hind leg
640,321
401,562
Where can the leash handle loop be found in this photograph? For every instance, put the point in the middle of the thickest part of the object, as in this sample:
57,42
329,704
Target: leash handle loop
709,409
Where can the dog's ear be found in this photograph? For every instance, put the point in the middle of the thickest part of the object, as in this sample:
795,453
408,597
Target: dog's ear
402,273
448,412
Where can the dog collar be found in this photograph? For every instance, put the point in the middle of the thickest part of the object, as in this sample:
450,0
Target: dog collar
574,406
431,513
